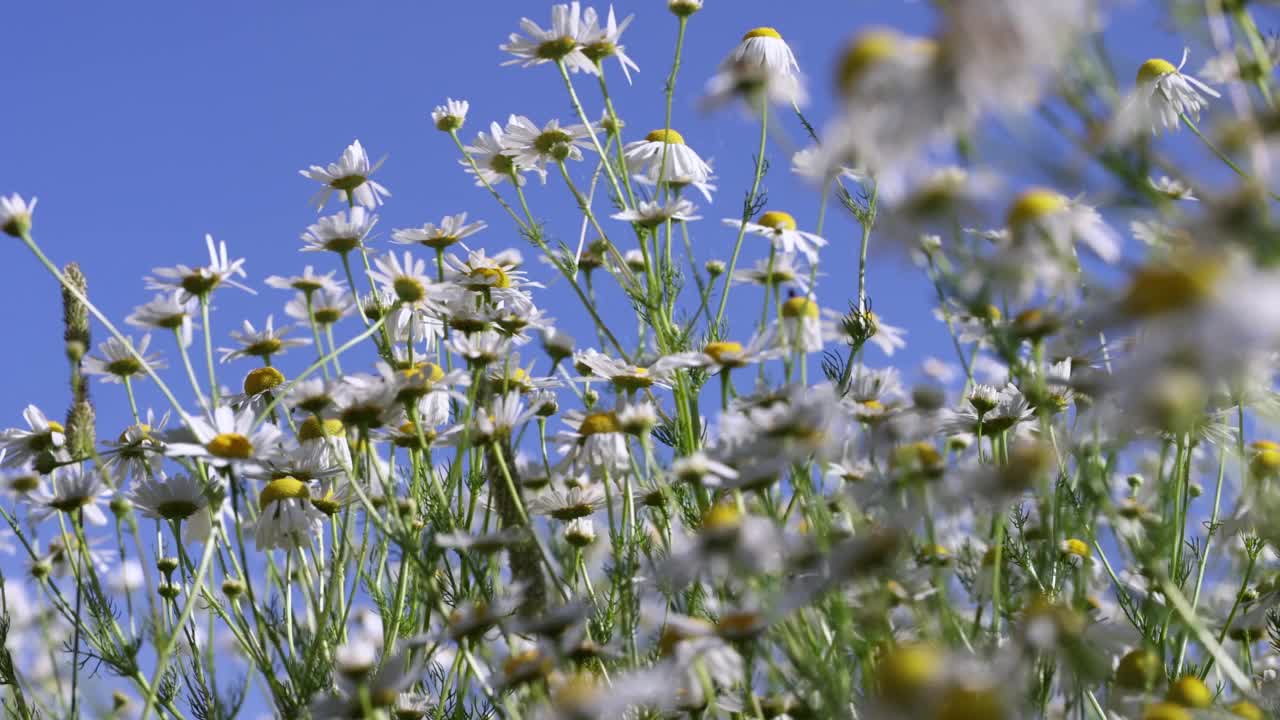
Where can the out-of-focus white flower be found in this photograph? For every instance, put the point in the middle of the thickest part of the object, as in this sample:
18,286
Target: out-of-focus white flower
662,158
779,228
15,214
1048,216
70,488
1162,97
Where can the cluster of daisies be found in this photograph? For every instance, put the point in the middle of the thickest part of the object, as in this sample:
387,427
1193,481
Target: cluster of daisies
419,497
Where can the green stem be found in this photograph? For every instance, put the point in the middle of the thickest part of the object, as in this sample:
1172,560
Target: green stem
746,209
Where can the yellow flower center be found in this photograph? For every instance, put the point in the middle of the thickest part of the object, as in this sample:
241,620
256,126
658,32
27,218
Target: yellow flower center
1155,290
327,504
718,350
314,429
637,379
491,276
962,703
1077,547
800,307
1138,669
23,484
907,670
143,431
599,423
1188,691
176,509
55,426
723,516
408,289
283,489
1033,205
262,348
71,503
260,380
1246,709
557,49
762,32
427,372
1165,711
1154,69
778,220
230,446
740,624
348,183
668,136
124,367
868,49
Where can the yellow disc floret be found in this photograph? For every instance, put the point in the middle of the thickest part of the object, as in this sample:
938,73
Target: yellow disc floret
800,307
668,136
283,489
599,423
1076,547
1033,205
260,380
1158,289
1165,711
722,350
908,670
1154,69
762,32
230,446
866,50
1189,691
778,220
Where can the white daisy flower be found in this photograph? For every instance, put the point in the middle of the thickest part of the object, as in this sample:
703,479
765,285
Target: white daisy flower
702,470
652,213
365,401
727,354
288,518
1162,97
489,154
1172,188
325,307
500,418
594,441
780,229
885,336
561,43
350,176
813,164
763,47
261,343
1040,214
684,8
340,233
571,503
139,451
168,311
176,498
451,115
663,158
197,282
480,272
533,147
623,375
70,488
600,41
479,348
784,271
452,228
805,327
129,577
120,360
306,283
228,439
43,436
15,214
407,280
1238,64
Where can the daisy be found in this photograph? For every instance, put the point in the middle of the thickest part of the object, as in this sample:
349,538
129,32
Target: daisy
533,147
44,437
763,47
364,401
812,164
783,270
885,336
350,175
721,355
451,115
980,416
1040,214
340,233
684,8
228,439
932,201
139,451
503,414
561,43
479,272
407,280
451,229
753,83
70,488
15,214
780,229
702,470
168,311
198,282
594,440
629,378
1236,64
179,498
122,360
652,213
805,327
479,348
1163,96
488,160
20,481
306,283
662,158
288,518
575,501
600,41
261,343
324,308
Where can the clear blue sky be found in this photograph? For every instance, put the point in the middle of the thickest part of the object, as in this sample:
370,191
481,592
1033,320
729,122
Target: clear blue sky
143,125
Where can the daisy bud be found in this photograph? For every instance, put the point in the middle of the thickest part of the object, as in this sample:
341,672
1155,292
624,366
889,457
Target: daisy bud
232,588
714,268
167,565
15,215
984,398
41,569
557,345
930,244
635,260
612,126
1195,489
120,506
638,419
684,8
928,398
546,404
593,257
1134,481
119,701
168,591
589,398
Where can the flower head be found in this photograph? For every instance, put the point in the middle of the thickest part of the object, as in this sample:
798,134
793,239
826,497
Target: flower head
15,214
350,176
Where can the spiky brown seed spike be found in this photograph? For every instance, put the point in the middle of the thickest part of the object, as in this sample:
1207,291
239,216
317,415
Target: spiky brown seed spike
81,432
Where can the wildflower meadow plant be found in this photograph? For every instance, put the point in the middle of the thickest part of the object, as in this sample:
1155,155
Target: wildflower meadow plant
418,496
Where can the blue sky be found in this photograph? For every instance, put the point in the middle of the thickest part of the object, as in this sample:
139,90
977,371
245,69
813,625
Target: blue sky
142,126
